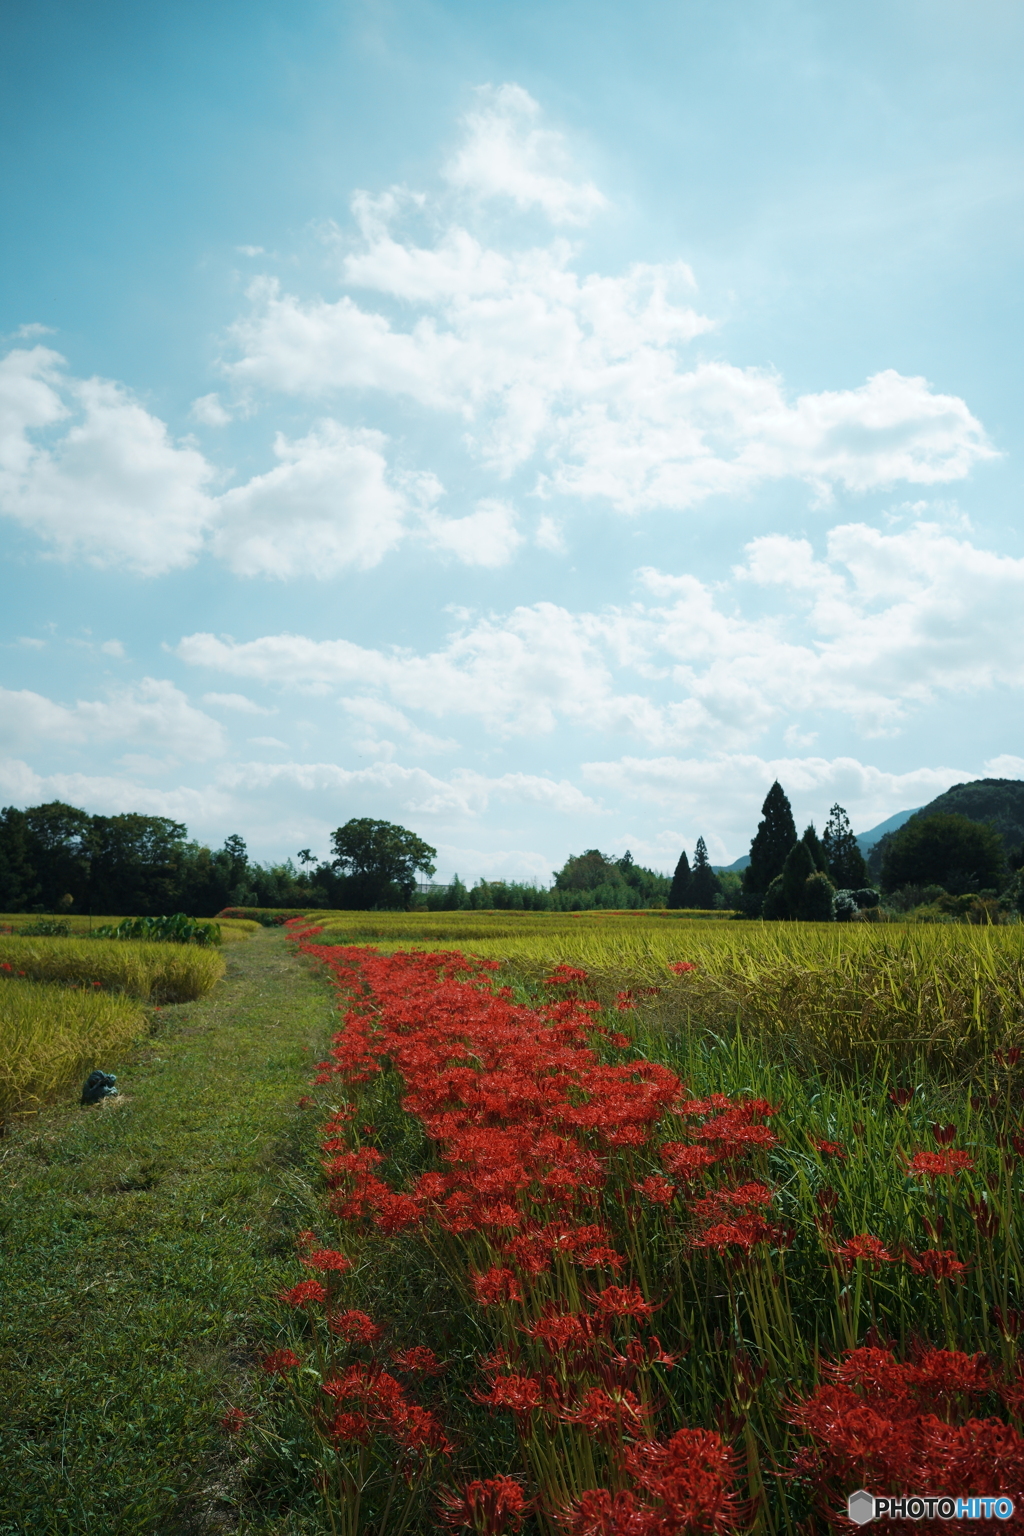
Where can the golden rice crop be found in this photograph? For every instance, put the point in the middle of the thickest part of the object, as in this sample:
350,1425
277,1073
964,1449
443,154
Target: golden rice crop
50,1036
154,973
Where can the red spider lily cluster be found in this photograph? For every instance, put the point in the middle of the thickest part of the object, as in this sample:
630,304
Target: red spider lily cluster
566,1180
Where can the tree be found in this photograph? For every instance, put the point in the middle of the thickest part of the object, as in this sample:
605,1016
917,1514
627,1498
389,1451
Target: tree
796,872
846,866
816,849
378,862
137,864
705,891
19,886
775,836
60,852
679,890
816,902
948,850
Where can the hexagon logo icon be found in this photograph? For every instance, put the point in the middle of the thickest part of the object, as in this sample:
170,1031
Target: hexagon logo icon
860,1506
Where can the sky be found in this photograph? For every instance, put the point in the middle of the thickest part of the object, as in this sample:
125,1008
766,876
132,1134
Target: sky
541,426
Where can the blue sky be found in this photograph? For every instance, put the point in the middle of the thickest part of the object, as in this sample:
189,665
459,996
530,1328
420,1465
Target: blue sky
539,425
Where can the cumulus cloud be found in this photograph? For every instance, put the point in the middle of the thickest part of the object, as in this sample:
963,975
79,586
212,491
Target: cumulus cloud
237,702
487,537
113,488
331,502
153,711
881,625
583,379
209,411
505,152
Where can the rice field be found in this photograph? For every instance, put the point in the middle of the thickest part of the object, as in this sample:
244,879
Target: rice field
53,1036
81,925
152,973
848,996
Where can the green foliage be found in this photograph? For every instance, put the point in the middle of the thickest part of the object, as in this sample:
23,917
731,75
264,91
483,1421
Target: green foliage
177,929
775,836
590,880
377,862
46,927
796,871
679,890
999,803
815,904
945,850
157,973
846,867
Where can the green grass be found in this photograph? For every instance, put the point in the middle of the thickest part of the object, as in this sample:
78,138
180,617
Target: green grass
81,925
51,1037
154,973
142,1241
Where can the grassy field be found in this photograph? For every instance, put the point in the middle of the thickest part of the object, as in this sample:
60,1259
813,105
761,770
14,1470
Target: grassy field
142,1241
154,973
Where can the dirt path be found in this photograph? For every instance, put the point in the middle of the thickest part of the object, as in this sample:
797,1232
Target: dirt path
139,1241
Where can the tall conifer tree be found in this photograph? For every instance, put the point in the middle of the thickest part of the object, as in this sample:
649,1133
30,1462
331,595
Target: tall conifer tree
704,886
846,867
817,849
775,836
679,890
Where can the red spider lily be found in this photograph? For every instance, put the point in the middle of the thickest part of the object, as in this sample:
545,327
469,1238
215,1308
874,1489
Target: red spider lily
419,1359
327,1261
682,966
520,1393
608,1416
302,1294
685,1162
305,1239
934,1165
601,1258
349,1428
1008,1058
938,1264
494,1286
863,1249
692,1479
560,1331
490,1508
1010,1323
827,1198
356,1327
943,1134
625,1002
600,1513
279,1361
565,975
901,1097
420,1430
621,1301
234,1421
656,1189
829,1148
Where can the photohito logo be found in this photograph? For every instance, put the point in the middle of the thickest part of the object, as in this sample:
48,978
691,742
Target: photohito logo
863,1506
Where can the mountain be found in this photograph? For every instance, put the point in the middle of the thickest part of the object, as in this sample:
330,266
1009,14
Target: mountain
1000,802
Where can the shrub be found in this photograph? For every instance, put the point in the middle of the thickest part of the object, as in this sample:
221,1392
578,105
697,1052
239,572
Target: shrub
177,929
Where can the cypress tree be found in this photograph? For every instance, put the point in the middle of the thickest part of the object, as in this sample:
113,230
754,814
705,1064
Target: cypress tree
704,886
775,836
846,867
679,890
796,872
817,849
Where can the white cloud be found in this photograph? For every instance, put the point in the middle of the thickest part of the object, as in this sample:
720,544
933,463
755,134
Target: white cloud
332,502
110,795
209,411
267,741
549,535
379,715
1005,766
884,624
237,702
114,488
505,153
487,537
153,711
113,648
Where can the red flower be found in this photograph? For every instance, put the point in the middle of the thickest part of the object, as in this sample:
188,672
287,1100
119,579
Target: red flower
940,1265
356,1327
934,1165
305,1291
656,1189
682,966
520,1393
419,1358
327,1260
279,1361
496,1285
622,1301
489,1507
234,1421
829,1148
864,1249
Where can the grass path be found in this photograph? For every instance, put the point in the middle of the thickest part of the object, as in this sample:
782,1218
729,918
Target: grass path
139,1241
